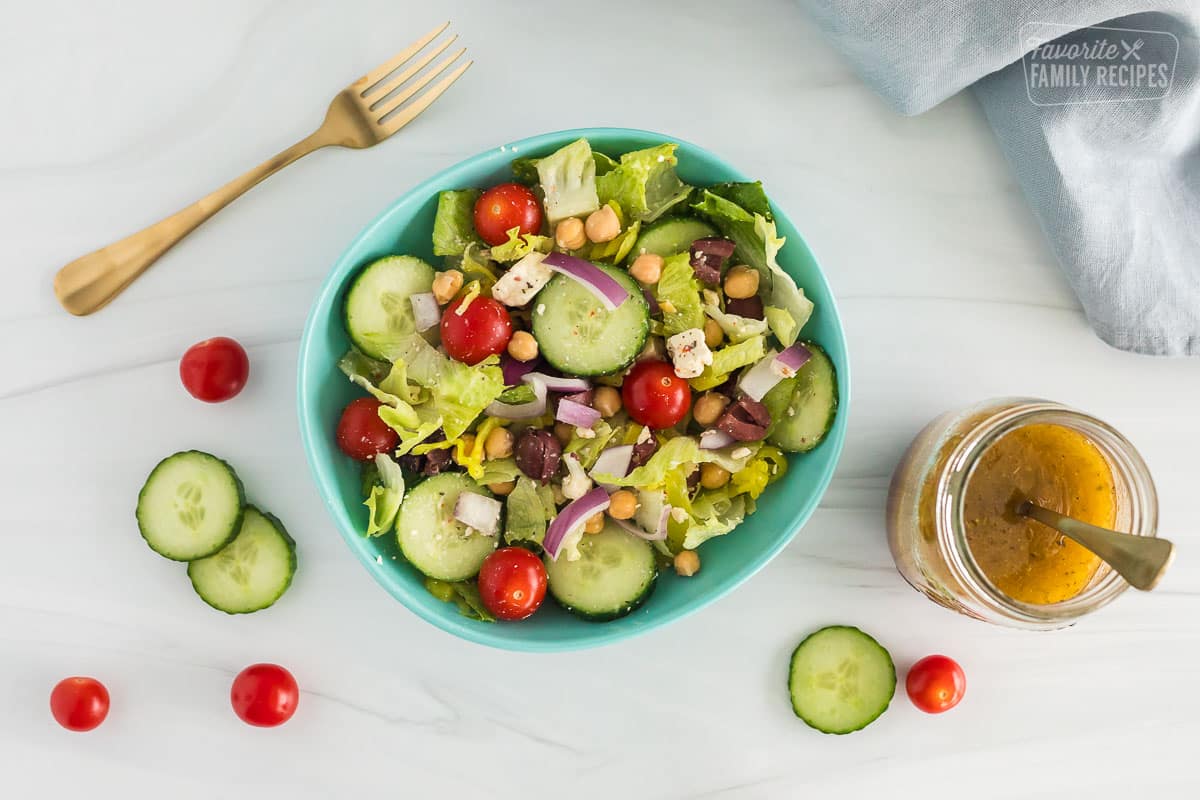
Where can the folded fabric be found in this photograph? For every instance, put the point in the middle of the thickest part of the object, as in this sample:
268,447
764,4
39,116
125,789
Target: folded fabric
1097,109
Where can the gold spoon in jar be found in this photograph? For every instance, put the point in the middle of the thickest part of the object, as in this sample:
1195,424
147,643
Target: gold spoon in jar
1140,560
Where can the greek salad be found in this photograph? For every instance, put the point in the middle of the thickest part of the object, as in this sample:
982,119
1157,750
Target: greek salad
606,371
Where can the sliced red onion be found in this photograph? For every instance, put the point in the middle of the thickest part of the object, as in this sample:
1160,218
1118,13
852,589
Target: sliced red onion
478,513
660,532
572,519
761,378
534,408
576,414
558,384
515,370
651,301
600,283
791,359
613,461
426,313
714,439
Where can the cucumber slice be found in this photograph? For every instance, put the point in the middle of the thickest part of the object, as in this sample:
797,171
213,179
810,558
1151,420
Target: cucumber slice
804,406
615,573
378,312
840,680
251,572
432,539
190,506
670,236
579,336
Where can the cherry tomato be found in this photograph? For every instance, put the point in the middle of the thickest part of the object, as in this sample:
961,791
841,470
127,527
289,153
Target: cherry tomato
264,695
512,583
655,395
482,330
214,370
504,207
935,684
79,704
361,434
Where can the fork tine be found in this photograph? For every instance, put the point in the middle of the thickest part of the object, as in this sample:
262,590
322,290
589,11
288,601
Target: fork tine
367,82
397,81
423,102
420,83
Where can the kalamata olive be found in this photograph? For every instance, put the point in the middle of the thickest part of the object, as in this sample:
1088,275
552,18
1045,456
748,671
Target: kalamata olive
749,307
693,478
642,452
538,454
708,256
745,420
437,461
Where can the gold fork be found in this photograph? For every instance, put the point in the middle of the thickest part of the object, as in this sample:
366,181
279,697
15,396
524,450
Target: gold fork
363,114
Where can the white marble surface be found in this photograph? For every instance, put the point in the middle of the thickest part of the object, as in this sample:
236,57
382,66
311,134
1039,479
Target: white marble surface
115,114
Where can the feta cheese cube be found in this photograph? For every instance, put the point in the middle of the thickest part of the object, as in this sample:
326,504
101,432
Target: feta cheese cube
523,281
689,353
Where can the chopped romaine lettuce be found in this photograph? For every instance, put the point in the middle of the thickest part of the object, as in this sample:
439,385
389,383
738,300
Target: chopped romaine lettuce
464,594
727,359
615,249
714,513
528,509
678,295
749,196
525,169
499,470
454,225
476,267
412,430
383,502
672,455
520,245
644,183
604,164
736,327
568,180
587,450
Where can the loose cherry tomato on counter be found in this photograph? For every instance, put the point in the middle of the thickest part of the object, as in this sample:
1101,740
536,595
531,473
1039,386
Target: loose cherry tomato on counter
482,330
79,704
512,583
361,434
264,695
214,370
654,395
935,684
504,207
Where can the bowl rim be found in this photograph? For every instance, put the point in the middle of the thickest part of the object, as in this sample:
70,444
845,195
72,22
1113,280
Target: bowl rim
493,635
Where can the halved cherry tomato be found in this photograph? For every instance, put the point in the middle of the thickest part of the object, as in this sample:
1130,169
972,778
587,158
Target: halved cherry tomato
481,330
512,583
79,704
361,434
214,370
935,684
655,395
264,695
504,207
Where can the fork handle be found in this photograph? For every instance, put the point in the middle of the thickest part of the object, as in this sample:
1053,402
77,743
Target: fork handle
87,284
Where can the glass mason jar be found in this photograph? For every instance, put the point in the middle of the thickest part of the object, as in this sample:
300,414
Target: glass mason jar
925,510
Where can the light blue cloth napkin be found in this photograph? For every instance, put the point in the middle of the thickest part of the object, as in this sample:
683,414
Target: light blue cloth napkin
1108,157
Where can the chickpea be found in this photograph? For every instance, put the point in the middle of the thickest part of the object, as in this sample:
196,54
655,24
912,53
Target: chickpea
499,443
595,523
606,400
569,235
647,268
708,407
446,285
713,476
687,563
522,346
602,225
502,489
622,504
564,432
713,335
741,282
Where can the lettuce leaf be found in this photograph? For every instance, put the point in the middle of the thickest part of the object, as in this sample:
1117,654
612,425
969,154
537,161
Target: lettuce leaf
672,455
714,513
727,359
737,328
525,169
499,470
383,502
411,430
454,224
588,450
476,267
749,196
644,183
520,245
568,180
464,594
616,249
678,294
528,509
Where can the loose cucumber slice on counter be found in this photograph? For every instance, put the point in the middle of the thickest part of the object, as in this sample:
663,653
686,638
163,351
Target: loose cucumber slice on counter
378,312
190,506
251,572
804,406
614,574
672,235
431,538
578,335
841,680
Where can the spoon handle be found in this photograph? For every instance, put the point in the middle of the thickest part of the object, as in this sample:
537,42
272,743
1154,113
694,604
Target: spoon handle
1141,560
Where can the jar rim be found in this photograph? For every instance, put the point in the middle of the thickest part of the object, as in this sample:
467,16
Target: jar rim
1128,469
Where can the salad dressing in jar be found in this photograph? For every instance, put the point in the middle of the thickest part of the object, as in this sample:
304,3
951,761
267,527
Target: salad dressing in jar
952,522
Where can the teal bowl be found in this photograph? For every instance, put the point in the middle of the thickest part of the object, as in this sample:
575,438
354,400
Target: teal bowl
404,227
